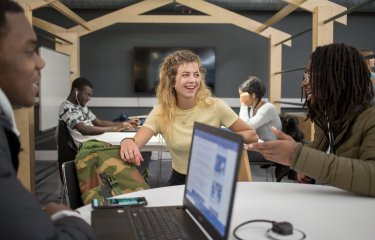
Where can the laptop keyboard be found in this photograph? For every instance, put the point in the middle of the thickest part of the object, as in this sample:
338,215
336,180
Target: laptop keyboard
156,223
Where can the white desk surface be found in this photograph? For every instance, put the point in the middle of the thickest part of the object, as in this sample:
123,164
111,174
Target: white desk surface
156,143
322,212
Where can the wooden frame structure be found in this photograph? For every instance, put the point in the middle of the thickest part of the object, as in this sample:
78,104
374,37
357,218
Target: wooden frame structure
67,41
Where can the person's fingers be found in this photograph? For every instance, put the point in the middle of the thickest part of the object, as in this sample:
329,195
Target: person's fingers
122,153
260,145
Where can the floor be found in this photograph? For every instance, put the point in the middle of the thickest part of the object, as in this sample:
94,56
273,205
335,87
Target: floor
49,187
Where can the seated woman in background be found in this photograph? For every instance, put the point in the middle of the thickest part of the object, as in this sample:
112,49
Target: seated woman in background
262,115
338,93
183,99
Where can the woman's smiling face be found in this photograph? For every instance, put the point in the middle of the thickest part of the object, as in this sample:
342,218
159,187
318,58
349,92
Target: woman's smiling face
188,80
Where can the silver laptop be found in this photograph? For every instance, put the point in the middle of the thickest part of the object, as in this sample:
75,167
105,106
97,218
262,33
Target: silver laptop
208,198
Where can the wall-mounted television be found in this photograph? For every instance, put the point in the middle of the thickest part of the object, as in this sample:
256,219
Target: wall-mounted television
147,60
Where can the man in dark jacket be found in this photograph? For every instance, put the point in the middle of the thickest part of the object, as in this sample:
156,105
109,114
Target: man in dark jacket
21,215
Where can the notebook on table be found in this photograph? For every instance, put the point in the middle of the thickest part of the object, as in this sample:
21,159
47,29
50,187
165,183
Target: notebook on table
208,198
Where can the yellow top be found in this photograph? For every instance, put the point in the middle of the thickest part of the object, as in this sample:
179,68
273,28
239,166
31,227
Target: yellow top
218,114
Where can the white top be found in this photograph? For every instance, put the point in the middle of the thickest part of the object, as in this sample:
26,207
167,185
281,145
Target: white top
262,122
322,212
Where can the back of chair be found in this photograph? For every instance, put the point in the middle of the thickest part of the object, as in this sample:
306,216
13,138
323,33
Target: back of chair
71,185
66,149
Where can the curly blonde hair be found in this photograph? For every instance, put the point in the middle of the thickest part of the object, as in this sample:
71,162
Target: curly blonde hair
166,93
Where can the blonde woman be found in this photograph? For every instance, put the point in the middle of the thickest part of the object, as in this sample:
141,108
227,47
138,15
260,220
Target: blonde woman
183,99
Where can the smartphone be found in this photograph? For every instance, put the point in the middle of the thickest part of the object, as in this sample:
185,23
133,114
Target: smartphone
119,202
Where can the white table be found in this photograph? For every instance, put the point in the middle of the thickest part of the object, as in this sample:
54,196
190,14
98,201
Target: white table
156,143
322,212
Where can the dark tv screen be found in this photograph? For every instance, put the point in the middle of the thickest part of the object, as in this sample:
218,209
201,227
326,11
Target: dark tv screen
147,61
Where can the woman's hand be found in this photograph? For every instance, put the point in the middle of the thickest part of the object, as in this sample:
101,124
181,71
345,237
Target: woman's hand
122,126
245,99
135,122
280,150
129,152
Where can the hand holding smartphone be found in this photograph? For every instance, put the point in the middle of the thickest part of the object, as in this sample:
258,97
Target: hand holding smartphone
118,202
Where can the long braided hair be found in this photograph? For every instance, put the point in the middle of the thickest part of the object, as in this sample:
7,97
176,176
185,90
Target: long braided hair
340,84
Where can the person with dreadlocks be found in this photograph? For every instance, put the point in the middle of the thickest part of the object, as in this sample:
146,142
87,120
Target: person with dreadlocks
338,92
183,99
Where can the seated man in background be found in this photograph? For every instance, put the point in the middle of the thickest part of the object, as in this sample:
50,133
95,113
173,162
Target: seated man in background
83,125
20,68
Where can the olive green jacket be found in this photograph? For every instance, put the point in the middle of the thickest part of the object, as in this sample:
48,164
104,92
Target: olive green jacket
352,167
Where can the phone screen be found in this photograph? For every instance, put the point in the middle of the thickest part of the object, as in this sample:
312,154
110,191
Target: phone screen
118,202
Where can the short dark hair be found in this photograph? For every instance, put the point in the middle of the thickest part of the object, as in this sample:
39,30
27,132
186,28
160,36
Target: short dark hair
253,85
5,7
80,83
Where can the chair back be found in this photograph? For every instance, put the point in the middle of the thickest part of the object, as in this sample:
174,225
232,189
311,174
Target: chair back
66,148
71,185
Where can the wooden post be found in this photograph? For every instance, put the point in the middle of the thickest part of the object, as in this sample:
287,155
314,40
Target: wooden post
73,50
25,123
244,173
274,82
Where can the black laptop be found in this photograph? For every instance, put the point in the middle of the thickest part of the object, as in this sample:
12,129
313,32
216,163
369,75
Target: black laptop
208,198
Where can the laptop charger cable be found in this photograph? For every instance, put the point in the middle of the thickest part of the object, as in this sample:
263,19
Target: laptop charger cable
279,230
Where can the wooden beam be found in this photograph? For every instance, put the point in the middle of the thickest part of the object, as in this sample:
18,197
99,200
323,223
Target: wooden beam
234,18
280,14
117,16
171,19
26,170
73,50
322,34
48,27
58,6
53,29
310,6
35,4
274,82
25,123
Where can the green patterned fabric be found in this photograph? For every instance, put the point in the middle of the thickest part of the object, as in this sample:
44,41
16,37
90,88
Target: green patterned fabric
102,174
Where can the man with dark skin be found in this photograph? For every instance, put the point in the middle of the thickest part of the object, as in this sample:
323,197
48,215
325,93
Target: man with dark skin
82,123
20,67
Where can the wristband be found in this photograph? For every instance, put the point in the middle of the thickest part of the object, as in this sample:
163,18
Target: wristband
294,147
131,138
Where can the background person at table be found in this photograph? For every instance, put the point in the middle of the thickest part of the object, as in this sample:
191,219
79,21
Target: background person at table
370,62
21,215
183,98
262,115
338,92
83,125
258,114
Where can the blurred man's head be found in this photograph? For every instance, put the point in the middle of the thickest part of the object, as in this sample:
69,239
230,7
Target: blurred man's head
82,91
20,65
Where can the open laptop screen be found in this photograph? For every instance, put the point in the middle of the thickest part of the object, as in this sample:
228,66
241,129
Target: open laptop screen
214,157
